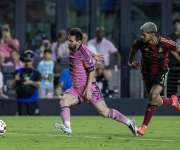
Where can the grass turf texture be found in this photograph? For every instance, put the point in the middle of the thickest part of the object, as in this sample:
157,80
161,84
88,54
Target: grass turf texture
89,133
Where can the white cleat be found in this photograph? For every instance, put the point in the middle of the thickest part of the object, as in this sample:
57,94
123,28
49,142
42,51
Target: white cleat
63,128
133,127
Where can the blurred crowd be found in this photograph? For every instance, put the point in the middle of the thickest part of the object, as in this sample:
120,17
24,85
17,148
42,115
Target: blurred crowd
50,59
43,72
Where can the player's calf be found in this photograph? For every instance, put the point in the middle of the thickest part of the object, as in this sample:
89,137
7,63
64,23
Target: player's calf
116,115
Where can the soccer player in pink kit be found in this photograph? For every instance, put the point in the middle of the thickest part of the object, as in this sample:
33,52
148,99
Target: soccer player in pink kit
84,86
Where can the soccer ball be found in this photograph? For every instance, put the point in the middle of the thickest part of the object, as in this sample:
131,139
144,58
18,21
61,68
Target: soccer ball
2,127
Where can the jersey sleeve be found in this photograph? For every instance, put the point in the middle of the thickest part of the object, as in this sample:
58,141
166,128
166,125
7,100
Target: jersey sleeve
170,44
88,60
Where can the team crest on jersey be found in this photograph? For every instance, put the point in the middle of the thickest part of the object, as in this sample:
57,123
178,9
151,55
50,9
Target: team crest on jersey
160,50
146,49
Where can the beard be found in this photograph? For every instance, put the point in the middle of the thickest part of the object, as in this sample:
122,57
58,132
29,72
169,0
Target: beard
144,40
72,47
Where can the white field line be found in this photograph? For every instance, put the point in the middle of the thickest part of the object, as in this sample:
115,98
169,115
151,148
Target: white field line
97,137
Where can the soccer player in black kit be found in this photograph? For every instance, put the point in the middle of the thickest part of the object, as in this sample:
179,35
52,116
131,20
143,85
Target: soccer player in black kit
154,67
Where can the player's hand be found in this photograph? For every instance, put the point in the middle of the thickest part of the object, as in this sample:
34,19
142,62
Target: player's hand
87,93
99,57
134,65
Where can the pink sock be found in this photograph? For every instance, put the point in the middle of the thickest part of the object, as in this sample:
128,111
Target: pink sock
65,115
116,115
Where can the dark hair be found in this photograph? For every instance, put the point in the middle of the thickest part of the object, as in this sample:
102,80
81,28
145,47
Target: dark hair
77,33
61,33
5,27
177,20
44,37
47,51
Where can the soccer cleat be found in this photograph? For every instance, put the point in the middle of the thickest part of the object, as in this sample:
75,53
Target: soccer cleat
133,127
63,128
175,102
141,130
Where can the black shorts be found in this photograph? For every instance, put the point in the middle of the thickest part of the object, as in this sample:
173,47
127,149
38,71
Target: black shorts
159,79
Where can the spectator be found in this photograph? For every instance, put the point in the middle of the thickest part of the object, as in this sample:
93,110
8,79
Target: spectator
7,43
62,83
174,63
90,46
107,49
26,83
102,77
35,40
175,36
65,79
46,68
103,45
85,38
15,60
45,44
58,92
2,59
60,47
2,95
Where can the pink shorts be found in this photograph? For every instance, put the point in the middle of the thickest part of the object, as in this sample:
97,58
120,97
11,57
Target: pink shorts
78,92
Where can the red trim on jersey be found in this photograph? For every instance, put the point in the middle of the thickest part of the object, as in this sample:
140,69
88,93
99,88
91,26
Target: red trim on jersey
171,45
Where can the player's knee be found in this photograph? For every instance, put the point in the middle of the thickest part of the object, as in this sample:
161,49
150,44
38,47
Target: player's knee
63,103
153,96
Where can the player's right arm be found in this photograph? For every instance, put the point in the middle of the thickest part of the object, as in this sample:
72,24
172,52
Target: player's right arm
133,50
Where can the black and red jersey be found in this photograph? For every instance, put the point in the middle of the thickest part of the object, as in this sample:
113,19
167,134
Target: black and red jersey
155,57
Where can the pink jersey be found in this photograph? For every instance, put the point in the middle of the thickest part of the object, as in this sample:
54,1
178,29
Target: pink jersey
81,63
6,47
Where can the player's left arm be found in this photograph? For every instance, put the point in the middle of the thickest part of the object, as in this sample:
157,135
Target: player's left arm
89,65
87,91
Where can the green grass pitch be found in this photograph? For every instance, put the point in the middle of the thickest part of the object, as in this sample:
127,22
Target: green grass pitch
89,133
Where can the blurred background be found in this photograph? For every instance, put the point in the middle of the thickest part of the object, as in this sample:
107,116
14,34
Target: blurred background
36,22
